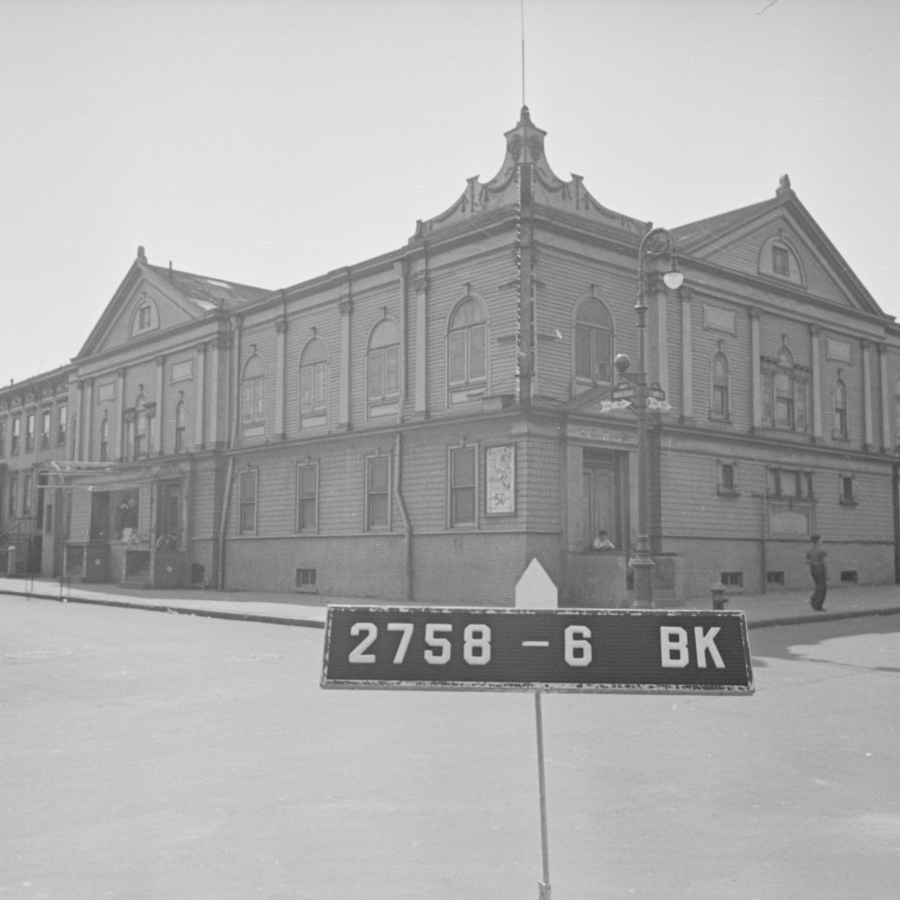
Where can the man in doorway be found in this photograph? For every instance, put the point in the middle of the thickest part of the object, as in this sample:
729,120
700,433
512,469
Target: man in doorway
602,541
815,556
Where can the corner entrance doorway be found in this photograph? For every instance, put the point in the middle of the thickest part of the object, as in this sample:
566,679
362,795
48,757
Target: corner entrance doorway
601,496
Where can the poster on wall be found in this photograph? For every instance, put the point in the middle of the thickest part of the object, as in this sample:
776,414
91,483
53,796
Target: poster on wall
500,476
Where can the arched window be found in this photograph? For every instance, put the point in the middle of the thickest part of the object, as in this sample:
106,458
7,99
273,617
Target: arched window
467,349
253,397
140,431
784,392
720,398
104,440
314,379
383,362
840,409
180,445
593,342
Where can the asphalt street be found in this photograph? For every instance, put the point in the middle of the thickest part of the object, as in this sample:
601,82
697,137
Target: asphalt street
145,755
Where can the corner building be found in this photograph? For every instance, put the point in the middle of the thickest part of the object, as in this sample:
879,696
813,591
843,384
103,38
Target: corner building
421,425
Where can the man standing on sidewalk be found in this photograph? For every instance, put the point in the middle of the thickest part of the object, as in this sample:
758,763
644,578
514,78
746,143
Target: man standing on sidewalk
815,556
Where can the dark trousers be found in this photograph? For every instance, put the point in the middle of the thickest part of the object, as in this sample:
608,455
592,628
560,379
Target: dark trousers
819,577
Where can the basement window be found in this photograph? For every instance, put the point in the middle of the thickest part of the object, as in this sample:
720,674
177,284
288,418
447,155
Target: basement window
732,579
775,578
850,576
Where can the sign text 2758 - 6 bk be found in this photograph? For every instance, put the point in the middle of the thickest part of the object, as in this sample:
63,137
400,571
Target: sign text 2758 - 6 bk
467,648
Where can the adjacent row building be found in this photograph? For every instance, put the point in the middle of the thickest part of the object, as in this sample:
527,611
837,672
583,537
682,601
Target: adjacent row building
420,425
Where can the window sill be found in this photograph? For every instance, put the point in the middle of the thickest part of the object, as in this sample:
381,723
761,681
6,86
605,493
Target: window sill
728,492
724,420
849,502
840,437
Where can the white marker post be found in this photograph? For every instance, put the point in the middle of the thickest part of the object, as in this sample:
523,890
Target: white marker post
536,590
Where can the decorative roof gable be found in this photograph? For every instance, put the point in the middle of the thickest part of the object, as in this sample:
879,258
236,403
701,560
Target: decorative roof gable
152,299
525,144
779,241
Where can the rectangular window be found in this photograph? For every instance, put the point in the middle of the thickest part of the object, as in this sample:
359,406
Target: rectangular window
247,524
307,497
45,429
790,483
144,317
780,261
850,576
62,425
848,495
27,487
726,478
775,578
378,506
732,579
2,438
129,438
29,433
457,357
462,486
11,496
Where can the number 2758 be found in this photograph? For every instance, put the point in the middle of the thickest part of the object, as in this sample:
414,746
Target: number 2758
476,643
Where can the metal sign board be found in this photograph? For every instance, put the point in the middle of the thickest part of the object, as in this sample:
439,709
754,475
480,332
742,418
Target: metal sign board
572,650
609,405
622,390
653,403
656,391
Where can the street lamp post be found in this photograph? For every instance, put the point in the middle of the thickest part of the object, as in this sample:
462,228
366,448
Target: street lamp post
656,242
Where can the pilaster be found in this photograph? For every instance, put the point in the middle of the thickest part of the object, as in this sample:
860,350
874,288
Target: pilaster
868,429
200,398
816,381
755,377
156,449
887,440
281,333
345,307
687,355
421,389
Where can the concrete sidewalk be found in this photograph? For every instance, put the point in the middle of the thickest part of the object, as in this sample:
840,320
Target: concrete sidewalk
761,610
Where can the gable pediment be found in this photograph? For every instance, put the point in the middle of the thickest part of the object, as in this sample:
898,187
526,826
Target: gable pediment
779,242
142,306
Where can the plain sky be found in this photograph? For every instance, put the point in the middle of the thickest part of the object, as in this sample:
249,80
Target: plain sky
268,142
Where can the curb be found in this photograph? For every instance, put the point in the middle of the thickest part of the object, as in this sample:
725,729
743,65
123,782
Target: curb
799,619
178,610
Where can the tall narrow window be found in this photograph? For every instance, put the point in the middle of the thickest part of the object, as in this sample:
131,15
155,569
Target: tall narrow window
383,362
27,488
247,524
314,381
45,429
720,408
104,440
462,486
377,492
784,390
12,494
14,436
840,409
29,433
62,425
253,397
2,438
179,427
593,342
781,264
307,497
129,438
466,350
140,432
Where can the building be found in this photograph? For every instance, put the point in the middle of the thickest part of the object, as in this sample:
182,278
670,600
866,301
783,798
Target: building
421,425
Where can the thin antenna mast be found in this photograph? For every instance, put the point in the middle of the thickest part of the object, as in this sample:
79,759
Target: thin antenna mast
522,8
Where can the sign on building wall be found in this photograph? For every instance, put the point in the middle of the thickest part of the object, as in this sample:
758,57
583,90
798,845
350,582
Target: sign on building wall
500,480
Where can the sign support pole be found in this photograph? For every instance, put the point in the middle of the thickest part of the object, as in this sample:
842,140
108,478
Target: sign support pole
543,886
